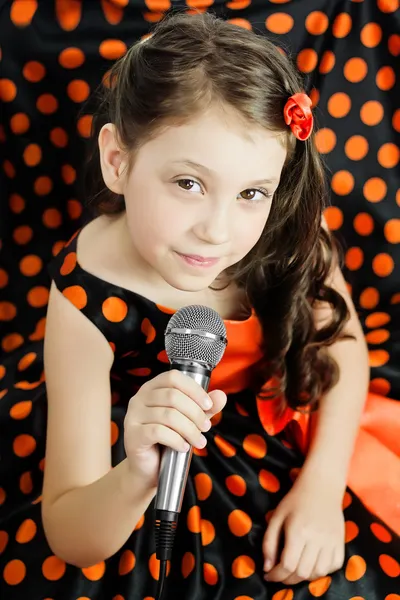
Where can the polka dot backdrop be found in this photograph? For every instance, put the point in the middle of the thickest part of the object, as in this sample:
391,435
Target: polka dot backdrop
52,56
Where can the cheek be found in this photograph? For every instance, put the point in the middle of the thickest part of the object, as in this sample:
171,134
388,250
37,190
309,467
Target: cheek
249,231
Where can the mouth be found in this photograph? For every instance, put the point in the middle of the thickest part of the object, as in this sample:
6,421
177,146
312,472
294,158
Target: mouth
198,261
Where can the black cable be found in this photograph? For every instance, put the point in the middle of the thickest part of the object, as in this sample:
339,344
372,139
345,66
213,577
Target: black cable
165,528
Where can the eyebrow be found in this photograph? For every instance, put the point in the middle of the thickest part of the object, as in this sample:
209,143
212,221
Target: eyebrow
199,167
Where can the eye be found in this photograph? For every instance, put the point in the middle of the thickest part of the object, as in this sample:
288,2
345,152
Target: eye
189,185
255,194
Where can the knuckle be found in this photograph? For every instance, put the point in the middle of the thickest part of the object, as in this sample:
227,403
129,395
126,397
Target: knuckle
303,573
287,564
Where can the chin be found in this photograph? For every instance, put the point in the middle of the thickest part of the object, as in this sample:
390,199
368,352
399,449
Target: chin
189,284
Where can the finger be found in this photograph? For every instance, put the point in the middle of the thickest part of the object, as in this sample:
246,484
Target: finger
183,383
272,538
155,433
324,564
169,399
308,561
292,552
218,398
338,557
176,421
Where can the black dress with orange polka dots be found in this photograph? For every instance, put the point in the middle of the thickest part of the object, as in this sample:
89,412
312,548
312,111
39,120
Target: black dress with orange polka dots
234,483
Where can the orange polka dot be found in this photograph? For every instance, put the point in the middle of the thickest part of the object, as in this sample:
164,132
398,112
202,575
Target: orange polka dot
377,319
59,137
236,485
12,341
3,278
17,203
325,140
342,25
52,218
392,231
154,566
318,587
383,264
71,58
388,6
394,44
43,185
139,524
126,562
255,446
7,311
2,496
210,574
379,385
395,299
78,90
47,104
388,155
342,183
207,532
369,298
24,445
356,147
355,69
381,533
354,258
3,541
355,568
162,357
225,447
286,594
339,105
188,563
95,572
26,483
22,12
307,60
243,566
57,247
9,169
19,123
8,90
268,481
363,224
53,568
112,49
21,410
244,23
203,483
385,78
393,597
148,330
31,265
68,13
14,572
38,296
33,71
238,4
194,519
327,62
314,97
279,23
375,189
69,264
371,113
2,371
114,309
396,120
389,565
84,125
112,13
239,522
317,22
334,217
74,208
26,531
77,295
68,174
371,35
215,419
378,358
351,531
114,433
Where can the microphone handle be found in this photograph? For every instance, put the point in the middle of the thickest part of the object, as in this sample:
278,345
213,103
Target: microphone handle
174,467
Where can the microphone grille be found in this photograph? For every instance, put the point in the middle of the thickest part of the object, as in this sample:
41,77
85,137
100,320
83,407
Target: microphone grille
186,336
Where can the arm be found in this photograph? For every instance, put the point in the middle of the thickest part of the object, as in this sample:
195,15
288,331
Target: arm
335,425
81,491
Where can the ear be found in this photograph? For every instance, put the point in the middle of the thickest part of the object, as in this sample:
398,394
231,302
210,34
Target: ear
113,160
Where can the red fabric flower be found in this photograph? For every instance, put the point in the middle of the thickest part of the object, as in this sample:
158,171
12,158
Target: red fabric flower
297,114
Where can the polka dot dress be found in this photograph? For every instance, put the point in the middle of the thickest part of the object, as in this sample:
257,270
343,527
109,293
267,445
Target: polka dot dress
52,56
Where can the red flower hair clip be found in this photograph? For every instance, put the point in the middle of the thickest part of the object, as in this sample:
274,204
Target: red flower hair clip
297,114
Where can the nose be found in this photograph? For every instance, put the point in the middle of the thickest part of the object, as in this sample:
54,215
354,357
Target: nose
214,224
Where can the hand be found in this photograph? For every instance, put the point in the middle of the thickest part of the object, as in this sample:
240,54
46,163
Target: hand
172,410
311,519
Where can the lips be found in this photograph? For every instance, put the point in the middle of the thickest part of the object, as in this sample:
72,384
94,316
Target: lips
201,261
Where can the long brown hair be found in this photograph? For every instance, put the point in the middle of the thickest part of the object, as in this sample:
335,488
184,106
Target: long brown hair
188,63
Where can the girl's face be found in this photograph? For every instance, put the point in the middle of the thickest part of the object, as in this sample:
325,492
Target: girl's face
198,196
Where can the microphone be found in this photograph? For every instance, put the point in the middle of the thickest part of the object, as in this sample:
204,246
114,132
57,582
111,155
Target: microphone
195,341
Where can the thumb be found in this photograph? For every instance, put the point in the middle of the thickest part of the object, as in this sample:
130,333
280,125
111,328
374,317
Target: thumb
218,398
272,538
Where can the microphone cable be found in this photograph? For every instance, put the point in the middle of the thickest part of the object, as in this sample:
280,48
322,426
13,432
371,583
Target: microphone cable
165,525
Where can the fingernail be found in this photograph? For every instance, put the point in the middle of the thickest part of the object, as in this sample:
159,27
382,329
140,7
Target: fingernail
206,425
202,441
207,402
267,565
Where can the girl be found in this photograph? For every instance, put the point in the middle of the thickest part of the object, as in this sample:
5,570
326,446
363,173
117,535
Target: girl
210,191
